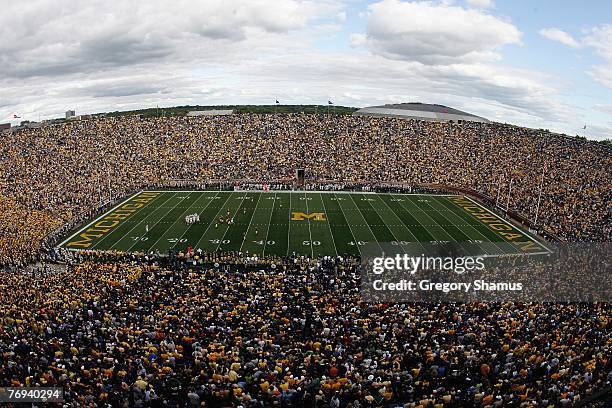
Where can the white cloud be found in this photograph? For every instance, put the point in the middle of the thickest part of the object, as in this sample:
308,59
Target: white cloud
555,34
103,57
361,78
358,39
300,76
57,37
598,132
480,3
604,108
434,34
600,38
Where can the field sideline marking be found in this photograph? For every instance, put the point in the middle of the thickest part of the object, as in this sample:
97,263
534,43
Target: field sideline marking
549,251
302,191
99,218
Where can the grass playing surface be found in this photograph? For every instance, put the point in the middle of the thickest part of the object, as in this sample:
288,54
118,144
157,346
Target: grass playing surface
283,222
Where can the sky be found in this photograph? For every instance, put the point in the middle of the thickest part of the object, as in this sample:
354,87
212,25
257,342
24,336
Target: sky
542,64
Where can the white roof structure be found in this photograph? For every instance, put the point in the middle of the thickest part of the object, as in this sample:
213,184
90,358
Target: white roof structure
211,112
421,111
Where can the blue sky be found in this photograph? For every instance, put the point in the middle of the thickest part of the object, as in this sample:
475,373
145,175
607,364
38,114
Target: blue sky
569,64
543,64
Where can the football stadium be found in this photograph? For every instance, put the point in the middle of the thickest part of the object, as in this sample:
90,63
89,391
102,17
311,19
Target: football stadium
305,204
217,259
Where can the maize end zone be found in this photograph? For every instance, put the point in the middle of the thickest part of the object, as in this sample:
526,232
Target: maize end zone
305,223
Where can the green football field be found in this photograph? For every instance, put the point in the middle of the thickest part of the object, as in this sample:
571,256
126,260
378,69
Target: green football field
305,223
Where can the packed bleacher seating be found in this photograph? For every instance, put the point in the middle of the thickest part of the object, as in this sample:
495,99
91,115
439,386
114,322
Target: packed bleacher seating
64,171
124,330
136,334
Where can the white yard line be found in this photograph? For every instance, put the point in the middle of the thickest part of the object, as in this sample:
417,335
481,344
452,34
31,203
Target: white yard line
329,227
401,222
289,228
144,219
197,245
513,226
228,227
384,223
366,223
251,222
309,230
100,217
177,220
355,241
263,252
200,213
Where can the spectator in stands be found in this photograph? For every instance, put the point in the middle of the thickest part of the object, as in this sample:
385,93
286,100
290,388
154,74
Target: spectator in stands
60,174
139,334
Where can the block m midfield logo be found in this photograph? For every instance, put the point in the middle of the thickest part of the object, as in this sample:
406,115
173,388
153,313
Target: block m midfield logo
300,216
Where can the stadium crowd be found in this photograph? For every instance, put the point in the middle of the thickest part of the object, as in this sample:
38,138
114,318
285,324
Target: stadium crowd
66,171
122,330
137,334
